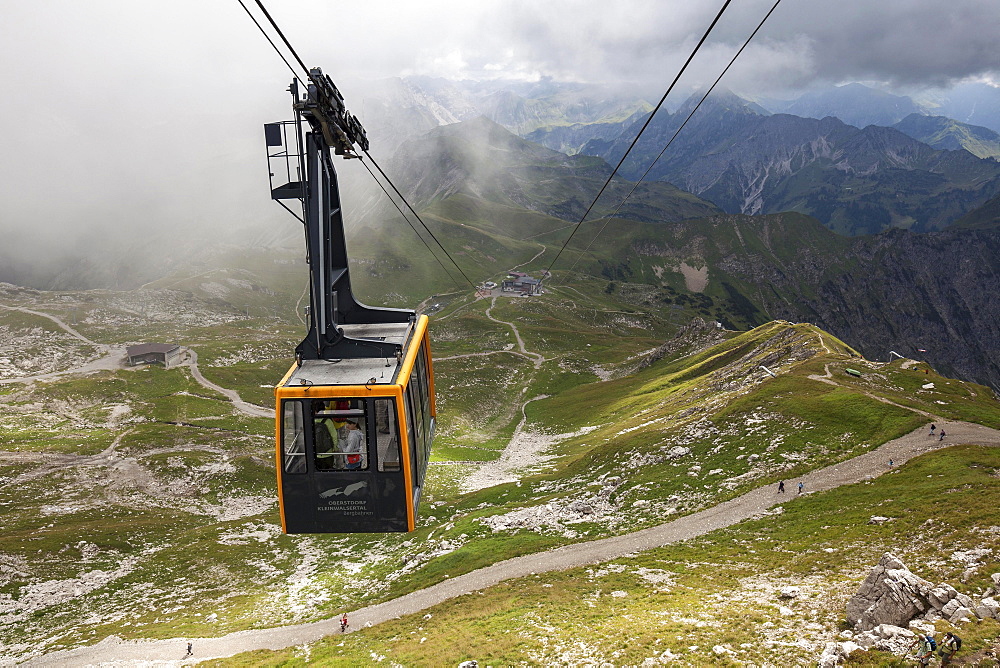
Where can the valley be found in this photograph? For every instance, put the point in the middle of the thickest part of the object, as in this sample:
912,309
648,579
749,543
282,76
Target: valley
603,485
571,423
695,302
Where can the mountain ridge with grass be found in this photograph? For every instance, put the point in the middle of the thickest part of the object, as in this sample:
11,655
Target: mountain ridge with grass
684,421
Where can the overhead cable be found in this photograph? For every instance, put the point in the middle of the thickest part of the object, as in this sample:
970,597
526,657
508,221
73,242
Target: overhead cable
283,38
270,41
644,126
676,132
408,222
417,216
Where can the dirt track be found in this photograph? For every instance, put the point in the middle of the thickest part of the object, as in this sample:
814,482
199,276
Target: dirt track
113,358
114,652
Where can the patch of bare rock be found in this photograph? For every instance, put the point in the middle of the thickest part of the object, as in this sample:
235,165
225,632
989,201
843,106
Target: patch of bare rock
893,605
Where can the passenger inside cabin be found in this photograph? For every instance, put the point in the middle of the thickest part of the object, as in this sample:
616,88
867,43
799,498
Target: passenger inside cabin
354,447
325,437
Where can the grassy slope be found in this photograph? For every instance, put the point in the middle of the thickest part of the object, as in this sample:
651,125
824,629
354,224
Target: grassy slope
792,423
722,589
713,402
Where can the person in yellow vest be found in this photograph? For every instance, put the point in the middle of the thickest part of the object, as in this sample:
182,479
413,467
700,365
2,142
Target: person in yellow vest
324,437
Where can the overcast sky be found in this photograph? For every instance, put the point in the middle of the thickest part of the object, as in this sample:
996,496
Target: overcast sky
123,114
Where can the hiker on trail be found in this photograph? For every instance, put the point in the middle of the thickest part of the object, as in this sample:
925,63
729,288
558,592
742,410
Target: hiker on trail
924,648
951,644
942,435
343,623
801,486
933,427
190,649
781,487
890,463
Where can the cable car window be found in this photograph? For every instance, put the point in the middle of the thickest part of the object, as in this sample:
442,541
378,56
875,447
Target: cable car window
421,413
293,444
413,408
339,434
425,399
387,436
413,436
420,444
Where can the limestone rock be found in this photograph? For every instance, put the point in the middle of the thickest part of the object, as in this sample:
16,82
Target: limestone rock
847,647
678,451
885,637
950,607
889,638
830,656
940,595
834,653
988,608
788,592
962,614
891,594
886,631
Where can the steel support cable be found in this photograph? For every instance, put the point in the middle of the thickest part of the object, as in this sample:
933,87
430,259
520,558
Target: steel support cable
676,132
641,130
284,39
268,38
419,219
410,223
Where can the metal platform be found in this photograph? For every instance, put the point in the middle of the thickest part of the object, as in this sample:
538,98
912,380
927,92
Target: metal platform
358,371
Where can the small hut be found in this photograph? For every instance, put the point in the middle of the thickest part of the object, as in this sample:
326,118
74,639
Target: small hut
153,353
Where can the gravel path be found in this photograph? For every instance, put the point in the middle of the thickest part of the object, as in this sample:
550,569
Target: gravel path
115,652
253,410
522,451
538,359
113,356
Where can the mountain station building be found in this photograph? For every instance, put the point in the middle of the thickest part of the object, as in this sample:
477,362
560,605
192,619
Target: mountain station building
518,281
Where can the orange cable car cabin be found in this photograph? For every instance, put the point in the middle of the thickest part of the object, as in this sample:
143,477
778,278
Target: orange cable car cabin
352,454
355,415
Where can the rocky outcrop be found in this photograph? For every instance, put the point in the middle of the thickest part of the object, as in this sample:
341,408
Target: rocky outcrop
697,335
891,291
892,597
891,594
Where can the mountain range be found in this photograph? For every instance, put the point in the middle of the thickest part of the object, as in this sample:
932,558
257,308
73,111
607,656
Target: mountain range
855,181
853,103
624,438
947,133
500,199
738,155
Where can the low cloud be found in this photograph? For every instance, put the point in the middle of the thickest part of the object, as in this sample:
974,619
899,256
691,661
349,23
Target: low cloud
127,117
